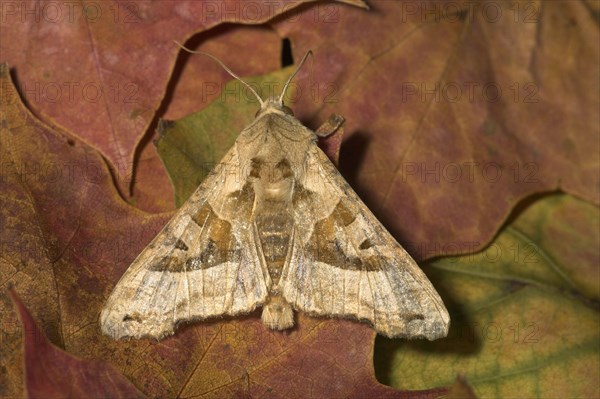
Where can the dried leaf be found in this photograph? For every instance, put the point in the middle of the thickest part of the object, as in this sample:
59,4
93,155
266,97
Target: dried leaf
525,314
53,373
431,144
65,235
101,69
86,237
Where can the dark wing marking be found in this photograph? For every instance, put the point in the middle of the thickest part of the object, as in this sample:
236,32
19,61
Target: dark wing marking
344,262
204,263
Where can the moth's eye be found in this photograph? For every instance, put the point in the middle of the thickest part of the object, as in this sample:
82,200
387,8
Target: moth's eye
287,110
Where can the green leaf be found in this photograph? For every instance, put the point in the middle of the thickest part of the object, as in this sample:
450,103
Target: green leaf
524,311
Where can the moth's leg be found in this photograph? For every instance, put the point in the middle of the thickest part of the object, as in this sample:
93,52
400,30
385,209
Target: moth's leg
330,126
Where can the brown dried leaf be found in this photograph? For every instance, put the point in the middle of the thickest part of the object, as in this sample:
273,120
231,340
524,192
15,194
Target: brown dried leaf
68,239
430,145
100,69
53,373
64,228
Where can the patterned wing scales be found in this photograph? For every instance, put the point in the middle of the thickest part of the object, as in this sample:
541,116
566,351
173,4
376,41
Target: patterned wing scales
344,263
204,263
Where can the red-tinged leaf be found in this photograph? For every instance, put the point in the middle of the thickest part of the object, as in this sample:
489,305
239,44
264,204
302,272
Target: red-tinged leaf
64,229
51,372
318,359
431,144
100,69
85,237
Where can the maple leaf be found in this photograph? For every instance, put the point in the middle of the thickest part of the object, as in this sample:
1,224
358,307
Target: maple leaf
86,236
103,71
447,110
68,236
455,113
53,373
525,310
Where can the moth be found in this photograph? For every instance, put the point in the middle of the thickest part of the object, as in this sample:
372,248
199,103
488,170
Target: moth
274,225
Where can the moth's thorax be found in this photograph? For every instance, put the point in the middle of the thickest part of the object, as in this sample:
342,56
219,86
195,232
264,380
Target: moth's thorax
273,149
274,167
272,177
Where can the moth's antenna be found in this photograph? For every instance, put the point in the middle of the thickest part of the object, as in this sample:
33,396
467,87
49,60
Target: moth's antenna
280,100
227,69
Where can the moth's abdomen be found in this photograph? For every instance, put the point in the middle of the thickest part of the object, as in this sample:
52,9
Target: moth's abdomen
274,223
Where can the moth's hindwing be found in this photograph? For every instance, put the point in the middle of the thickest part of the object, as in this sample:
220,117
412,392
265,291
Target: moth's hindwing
344,263
204,263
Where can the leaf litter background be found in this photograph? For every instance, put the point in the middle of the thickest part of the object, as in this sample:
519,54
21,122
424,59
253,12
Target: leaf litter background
523,291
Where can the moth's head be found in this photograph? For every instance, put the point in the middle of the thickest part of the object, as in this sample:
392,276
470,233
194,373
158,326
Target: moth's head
274,105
